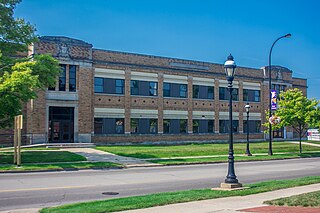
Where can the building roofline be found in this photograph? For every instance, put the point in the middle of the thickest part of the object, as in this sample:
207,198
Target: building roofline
170,58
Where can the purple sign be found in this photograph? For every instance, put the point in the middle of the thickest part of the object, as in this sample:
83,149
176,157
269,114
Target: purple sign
273,99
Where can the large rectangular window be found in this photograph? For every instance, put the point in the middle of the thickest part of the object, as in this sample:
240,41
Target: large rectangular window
144,88
203,126
251,95
72,78
202,92
175,126
144,126
175,90
224,126
62,78
254,126
224,94
108,85
108,126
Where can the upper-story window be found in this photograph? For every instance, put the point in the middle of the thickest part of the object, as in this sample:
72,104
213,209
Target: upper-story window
108,85
202,92
175,90
63,78
72,78
251,95
224,94
144,88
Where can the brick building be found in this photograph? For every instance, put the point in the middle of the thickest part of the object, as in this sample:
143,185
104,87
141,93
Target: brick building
105,96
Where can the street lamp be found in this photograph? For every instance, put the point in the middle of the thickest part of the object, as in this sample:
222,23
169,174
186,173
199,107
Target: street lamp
247,106
270,109
231,180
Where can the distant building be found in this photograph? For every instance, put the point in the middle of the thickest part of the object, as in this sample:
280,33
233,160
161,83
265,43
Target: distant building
106,96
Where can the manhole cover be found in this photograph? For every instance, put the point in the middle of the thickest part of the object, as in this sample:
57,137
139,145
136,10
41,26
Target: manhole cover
110,193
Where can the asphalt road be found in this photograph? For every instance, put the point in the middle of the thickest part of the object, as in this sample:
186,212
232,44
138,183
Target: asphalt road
38,190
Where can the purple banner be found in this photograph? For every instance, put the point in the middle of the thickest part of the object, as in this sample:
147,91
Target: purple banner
273,99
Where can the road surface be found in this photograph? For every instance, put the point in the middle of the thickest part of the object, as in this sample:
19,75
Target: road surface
42,189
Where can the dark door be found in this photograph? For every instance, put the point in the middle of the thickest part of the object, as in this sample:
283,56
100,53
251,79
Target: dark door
61,125
278,133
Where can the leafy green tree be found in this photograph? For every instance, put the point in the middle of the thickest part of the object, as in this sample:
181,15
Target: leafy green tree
20,76
297,111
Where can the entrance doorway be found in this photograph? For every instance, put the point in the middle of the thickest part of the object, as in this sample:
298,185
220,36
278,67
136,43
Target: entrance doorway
279,133
61,124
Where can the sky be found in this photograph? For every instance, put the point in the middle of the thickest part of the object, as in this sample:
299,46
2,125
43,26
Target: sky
203,30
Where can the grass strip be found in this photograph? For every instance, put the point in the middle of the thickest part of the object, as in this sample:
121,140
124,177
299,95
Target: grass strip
182,161
311,199
59,166
164,151
41,157
160,199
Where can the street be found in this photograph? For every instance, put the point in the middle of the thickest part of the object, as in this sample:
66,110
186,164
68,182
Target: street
41,189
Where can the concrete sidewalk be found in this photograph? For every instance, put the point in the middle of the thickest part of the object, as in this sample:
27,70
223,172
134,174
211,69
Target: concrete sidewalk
95,155
306,143
228,204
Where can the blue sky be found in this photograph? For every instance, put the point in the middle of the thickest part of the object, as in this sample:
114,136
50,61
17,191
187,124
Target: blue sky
205,30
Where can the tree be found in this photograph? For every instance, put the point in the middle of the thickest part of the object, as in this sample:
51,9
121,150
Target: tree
20,76
297,111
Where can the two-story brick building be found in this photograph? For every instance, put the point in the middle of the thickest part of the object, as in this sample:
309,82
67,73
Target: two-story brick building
106,96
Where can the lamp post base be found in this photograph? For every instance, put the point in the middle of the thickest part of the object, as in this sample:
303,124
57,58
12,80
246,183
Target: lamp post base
230,185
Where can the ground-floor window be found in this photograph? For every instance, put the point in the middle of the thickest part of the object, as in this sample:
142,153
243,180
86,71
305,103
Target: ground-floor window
108,126
175,126
254,126
224,126
144,126
203,126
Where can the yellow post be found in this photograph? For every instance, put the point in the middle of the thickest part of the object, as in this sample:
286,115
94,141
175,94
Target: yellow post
19,127
15,140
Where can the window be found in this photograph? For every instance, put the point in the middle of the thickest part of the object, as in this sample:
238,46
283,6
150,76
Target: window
62,78
175,90
109,126
119,86
251,95
195,91
153,88
144,125
145,88
224,126
224,94
203,92
175,126
279,88
98,124
203,126
254,126
108,85
166,89
183,90
72,78
134,86
98,85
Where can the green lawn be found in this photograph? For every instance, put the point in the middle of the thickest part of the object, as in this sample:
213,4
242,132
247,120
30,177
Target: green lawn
41,157
311,199
138,202
237,158
50,160
152,151
59,166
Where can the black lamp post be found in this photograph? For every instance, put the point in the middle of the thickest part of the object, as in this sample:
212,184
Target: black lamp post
270,109
247,106
231,180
